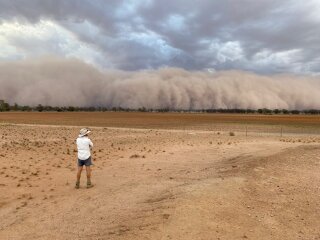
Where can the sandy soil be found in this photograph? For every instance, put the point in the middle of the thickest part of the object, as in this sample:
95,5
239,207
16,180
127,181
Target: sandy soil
158,184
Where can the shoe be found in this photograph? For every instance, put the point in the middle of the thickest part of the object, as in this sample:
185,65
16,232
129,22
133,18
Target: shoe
89,185
77,185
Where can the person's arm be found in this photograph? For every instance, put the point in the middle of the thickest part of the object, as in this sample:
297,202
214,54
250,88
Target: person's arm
90,143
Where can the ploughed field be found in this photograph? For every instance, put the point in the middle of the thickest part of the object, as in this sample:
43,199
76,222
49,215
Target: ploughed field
159,176
157,120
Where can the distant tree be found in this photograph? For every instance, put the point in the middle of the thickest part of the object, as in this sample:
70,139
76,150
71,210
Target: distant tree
264,111
295,112
48,108
91,109
58,109
39,108
26,108
285,111
164,110
210,110
71,109
143,109
276,111
312,111
15,107
4,106
250,111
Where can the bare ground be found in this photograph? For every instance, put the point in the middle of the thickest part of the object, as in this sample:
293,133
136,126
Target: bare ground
158,184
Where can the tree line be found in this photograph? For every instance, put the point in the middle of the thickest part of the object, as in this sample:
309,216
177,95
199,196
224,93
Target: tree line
5,107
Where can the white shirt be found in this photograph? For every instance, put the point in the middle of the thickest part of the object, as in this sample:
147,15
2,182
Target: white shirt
83,144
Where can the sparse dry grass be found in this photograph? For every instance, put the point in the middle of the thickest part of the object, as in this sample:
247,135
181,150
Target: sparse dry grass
143,167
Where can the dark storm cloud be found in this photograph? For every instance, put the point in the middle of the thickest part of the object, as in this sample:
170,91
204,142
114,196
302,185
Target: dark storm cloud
264,36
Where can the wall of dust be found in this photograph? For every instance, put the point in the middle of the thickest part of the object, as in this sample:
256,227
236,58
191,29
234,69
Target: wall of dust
70,82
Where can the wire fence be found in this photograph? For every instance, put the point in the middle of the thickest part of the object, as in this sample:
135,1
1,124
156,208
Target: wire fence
263,130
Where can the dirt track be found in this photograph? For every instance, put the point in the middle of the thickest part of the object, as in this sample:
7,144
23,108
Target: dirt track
158,184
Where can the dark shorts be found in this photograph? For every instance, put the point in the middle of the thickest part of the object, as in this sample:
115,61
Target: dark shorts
86,162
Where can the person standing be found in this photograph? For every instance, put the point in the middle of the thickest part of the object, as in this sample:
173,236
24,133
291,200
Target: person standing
84,144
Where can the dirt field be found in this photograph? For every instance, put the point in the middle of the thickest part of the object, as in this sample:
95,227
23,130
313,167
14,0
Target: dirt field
168,182
157,120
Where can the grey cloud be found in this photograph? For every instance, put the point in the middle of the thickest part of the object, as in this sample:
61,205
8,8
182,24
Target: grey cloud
257,26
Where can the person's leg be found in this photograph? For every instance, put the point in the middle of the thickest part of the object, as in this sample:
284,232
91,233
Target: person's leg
79,173
88,170
79,176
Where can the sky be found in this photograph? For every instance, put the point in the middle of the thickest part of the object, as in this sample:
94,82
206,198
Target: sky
265,36
176,54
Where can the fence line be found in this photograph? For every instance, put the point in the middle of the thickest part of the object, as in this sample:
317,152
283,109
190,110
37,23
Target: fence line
263,130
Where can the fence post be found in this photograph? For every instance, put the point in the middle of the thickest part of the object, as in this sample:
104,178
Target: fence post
281,130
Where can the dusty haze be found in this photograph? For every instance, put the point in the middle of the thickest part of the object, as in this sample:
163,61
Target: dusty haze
63,82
